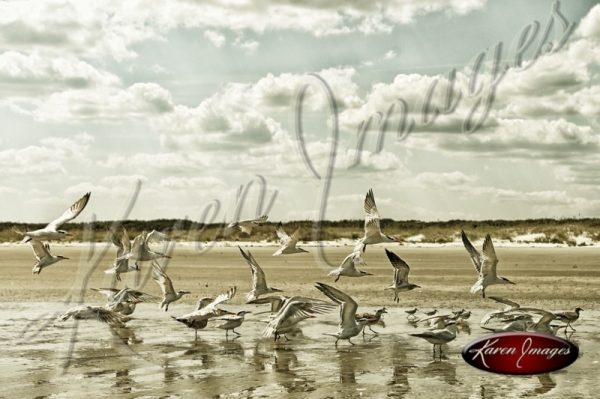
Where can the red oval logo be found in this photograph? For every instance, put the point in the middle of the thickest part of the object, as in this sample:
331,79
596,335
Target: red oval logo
520,353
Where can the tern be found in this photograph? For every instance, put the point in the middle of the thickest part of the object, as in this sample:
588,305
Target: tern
123,301
121,240
43,256
372,319
485,264
373,234
141,252
166,286
510,306
569,317
401,270
246,226
232,321
259,281
85,312
52,230
439,337
206,310
348,267
276,302
349,327
293,311
288,243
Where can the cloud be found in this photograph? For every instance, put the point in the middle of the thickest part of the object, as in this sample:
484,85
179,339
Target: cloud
589,26
216,38
247,45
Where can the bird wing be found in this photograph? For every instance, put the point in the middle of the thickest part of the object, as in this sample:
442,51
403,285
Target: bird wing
110,293
229,317
260,220
372,226
475,255
121,240
107,316
401,268
71,213
222,297
40,250
258,276
489,259
511,304
349,262
274,301
347,305
281,234
154,236
162,279
204,302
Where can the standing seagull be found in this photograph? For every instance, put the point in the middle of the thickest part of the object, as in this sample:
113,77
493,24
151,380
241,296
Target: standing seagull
121,240
166,286
232,321
439,337
401,270
259,281
288,243
43,256
349,327
246,226
373,234
140,251
348,267
485,264
51,231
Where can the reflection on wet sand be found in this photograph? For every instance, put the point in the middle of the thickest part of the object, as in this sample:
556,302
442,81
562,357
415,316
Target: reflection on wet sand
442,369
399,385
285,365
546,385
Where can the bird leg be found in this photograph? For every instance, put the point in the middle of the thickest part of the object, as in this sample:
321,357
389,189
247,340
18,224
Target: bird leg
336,342
351,342
373,331
236,332
286,338
483,292
196,335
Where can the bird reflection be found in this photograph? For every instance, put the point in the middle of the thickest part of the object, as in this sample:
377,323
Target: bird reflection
202,351
442,369
123,381
546,385
399,385
125,335
231,347
347,362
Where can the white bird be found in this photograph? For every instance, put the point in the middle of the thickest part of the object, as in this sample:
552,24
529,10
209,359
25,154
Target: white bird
52,231
276,302
43,256
259,281
440,336
125,300
232,321
166,286
485,264
373,234
510,306
348,267
349,327
206,310
140,251
85,312
246,226
121,240
401,271
288,243
293,311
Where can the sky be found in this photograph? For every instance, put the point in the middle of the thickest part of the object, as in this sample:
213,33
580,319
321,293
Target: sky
195,99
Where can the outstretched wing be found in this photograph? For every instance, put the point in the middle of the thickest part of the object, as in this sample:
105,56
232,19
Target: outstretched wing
489,259
401,268
258,276
347,305
473,253
39,249
372,226
281,234
222,297
162,279
71,213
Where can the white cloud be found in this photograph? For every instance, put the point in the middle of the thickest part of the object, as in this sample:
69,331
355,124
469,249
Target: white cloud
248,45
216,38
590,25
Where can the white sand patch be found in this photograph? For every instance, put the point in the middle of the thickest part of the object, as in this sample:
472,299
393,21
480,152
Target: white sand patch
529,238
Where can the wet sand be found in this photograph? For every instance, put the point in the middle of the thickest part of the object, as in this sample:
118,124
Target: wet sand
157,357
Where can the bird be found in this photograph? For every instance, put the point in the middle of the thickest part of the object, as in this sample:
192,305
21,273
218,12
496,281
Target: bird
569,317
372,319
166,286
401,271
410,314
291,312
246,226
121,240
232,321
259,281
430,312
206,310
440,336
86,312
348,267
43,256
349,327
276,302
373,234
125,300
52,230
288,243
141,252
485,264
510,306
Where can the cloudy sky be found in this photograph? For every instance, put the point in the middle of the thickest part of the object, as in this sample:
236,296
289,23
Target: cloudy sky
195,98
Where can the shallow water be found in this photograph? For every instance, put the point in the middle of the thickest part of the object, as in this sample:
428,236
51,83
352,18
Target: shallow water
157,357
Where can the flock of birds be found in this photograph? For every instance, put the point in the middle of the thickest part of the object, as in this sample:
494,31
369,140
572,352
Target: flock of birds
286,312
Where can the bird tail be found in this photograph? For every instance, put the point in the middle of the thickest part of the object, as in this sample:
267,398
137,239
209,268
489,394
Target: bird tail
476,287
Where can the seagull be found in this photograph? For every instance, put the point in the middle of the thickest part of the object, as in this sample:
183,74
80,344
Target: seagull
259,281
510,306
401,270
293,311
246,226
125,300
348,327
232,321
166,286
121,240
569,317
372,319
206,310
373,234
276,302
440,336
288,243
85,312
485,264
43,255
51,231
140,251
348,267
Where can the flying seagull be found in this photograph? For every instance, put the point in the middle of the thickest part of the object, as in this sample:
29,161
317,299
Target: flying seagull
43,256
373,234
401,270
166,286
121,240
246,226
52,230
485,264
85,312
259,281
348,267
141,252
288,243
